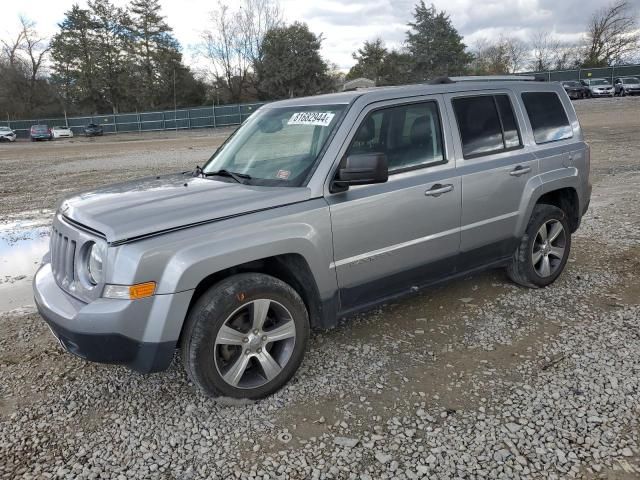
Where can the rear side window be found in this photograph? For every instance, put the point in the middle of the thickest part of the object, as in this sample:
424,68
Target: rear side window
547,116
487,124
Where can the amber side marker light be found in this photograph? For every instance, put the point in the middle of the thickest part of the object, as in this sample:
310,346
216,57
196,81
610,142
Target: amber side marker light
130,292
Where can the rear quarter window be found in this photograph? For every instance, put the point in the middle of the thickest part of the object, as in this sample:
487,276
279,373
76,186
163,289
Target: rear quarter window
547,116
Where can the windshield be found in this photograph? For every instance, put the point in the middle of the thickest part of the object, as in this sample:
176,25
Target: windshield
630,80
277,146
599,82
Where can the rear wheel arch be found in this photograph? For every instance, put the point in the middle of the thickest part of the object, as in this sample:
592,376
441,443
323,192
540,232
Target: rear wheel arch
567,200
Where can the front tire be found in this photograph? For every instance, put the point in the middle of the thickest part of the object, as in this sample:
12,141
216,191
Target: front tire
245,337
543,250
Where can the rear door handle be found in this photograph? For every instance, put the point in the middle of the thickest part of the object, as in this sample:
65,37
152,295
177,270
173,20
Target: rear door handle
438,190
519,170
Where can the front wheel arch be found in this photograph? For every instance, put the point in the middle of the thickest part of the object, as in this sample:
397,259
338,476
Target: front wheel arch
292,268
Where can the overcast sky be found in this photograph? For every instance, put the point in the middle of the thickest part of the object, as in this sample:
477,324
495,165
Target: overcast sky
345,24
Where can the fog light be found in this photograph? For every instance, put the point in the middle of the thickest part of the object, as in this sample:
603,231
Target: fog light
129,292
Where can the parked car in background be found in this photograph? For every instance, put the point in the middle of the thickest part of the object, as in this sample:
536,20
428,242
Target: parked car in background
598,87
61,132
315,209
626,86
40,132
575,89
7,135
93,130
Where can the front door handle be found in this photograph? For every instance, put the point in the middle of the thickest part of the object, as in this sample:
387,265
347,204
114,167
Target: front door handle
438,190
519,170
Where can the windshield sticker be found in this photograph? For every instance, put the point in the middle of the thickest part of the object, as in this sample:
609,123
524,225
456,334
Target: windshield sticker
283,174
322,119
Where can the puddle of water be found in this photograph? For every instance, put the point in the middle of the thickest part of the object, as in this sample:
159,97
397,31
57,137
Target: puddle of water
22,246
21,251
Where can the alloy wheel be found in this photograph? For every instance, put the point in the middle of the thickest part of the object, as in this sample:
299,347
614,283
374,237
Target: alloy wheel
254,343
549,248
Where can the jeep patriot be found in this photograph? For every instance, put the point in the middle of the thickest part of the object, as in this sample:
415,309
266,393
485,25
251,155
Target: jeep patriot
316,208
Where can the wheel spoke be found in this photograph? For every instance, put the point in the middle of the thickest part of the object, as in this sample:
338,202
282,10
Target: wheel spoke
270,367
234,374
556,230
260,310
543,232
545,267
282,332
229,336
557,252
536,257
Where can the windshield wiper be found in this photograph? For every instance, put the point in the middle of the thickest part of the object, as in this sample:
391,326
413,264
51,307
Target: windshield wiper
238,177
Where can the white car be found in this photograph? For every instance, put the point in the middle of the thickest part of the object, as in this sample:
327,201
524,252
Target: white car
61,132
7,135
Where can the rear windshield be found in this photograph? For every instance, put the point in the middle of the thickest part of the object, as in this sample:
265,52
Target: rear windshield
39,128
571,84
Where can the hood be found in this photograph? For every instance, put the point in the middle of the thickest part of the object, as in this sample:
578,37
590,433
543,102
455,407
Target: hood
149,205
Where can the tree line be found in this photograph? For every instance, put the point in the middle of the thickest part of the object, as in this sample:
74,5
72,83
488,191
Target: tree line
107,59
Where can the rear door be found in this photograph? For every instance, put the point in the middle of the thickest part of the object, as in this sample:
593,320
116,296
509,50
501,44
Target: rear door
495,167
392,237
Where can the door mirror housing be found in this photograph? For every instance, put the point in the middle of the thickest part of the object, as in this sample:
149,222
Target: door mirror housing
361,169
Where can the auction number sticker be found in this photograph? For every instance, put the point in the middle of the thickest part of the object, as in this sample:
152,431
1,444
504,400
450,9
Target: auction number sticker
322,119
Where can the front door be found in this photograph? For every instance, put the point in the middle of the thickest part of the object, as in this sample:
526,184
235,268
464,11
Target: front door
393,237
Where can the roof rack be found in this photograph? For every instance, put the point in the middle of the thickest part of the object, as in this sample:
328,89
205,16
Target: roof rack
486,78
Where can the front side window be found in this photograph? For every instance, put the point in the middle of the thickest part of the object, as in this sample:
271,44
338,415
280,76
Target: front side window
409,135
277,146
486,124
547,116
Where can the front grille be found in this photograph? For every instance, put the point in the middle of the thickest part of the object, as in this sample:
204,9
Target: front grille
63,258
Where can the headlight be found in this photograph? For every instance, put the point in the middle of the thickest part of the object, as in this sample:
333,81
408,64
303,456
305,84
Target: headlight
95,263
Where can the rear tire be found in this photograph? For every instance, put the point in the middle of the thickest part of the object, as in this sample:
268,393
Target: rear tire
543,250
245,337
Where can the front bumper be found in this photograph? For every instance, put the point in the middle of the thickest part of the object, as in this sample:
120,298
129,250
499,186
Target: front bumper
602,94
140,334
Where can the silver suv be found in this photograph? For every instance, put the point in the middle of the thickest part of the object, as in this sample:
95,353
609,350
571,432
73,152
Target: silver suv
314,209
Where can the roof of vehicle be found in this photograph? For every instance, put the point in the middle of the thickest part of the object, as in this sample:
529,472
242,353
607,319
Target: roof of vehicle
383,93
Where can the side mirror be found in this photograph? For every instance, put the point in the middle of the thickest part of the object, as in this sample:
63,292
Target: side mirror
361,169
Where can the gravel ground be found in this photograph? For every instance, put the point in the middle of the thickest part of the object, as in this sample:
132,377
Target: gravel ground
475,379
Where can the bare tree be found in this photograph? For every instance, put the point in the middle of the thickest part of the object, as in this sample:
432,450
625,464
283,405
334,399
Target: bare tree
517,53
233,46
24,57
503,55
612,35
544,51
11,48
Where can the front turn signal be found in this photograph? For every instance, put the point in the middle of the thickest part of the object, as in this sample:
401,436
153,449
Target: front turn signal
130,292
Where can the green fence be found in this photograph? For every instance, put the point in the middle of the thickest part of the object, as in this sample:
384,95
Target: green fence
197,117
583,73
